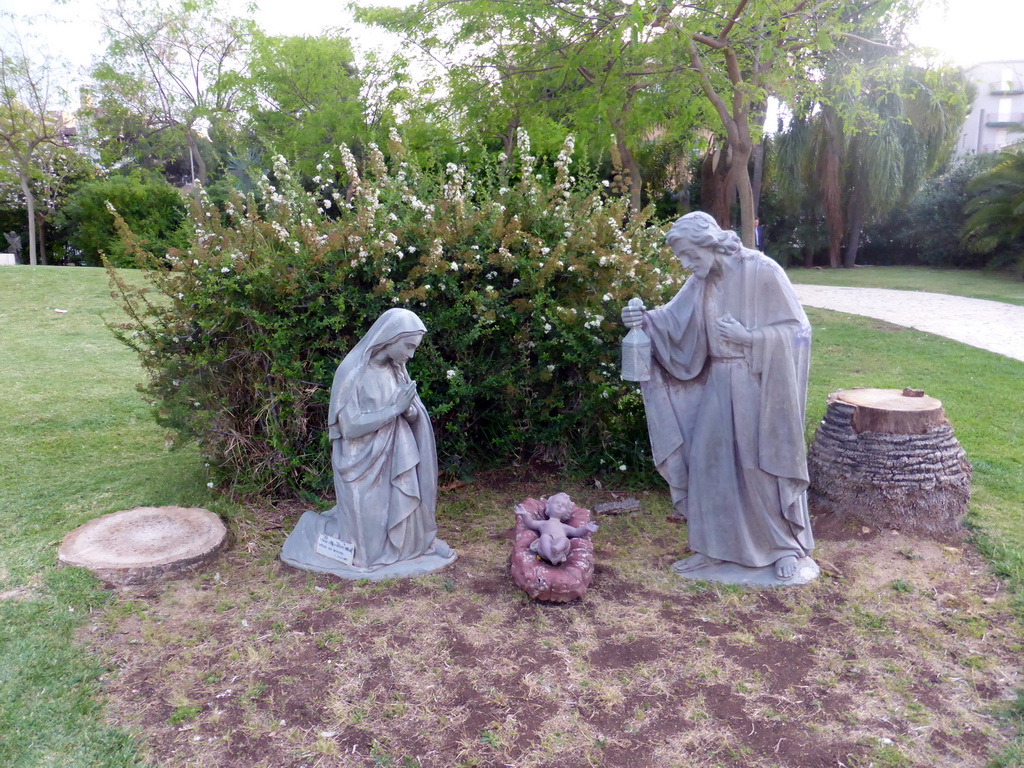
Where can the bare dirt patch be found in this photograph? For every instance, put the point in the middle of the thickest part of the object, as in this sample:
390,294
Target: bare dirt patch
899,655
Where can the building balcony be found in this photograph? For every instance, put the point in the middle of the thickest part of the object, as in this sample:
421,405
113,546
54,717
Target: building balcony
1005,121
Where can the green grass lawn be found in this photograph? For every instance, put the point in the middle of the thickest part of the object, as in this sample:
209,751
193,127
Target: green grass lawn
76,441
995,286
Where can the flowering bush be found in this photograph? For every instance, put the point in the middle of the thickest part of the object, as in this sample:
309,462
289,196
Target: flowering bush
518,280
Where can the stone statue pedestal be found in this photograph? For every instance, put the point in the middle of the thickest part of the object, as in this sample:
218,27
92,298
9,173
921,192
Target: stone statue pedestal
731,573
300,551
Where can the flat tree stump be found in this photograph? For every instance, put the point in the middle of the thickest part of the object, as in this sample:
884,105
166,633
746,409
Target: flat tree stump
145,544
888,458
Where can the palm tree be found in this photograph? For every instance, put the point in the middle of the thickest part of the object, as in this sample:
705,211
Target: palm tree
995,216
863,150
908,135
798,164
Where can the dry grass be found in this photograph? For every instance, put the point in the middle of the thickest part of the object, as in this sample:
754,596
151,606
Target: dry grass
900,655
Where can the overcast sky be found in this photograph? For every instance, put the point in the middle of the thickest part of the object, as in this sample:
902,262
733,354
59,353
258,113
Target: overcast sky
964,31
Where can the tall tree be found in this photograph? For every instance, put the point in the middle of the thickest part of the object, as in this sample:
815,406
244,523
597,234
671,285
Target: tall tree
745,51
910,135
302,94
168,70
61,169
867,149
550,66
29,121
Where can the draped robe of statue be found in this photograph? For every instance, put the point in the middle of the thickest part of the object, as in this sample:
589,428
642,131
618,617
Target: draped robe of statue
726,420
385,481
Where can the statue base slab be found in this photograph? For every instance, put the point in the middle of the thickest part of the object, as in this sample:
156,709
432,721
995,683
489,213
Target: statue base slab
732,573
299,551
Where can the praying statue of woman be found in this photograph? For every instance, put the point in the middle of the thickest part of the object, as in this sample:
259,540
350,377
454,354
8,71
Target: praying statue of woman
725,407
385,467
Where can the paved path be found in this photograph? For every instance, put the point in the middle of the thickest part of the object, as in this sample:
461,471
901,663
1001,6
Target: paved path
989,325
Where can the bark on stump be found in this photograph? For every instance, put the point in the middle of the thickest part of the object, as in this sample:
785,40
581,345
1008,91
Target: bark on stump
889,459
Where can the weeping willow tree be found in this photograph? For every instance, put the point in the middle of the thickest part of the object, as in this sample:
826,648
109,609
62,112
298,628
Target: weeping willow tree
867,146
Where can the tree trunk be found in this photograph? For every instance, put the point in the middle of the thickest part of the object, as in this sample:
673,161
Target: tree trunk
509,141
889,459
30,205
41,227
632,168
758,113
714,188
740,176
199,168
856,216
736,121
808,255
830,175
758,174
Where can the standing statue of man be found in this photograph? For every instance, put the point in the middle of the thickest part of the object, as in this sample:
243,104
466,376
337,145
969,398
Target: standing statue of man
725,405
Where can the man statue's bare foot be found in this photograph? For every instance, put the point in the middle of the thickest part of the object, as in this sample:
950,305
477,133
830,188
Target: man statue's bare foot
694,562
785,567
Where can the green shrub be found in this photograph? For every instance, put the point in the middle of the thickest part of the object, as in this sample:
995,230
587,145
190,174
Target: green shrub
155,211
928,229
519,282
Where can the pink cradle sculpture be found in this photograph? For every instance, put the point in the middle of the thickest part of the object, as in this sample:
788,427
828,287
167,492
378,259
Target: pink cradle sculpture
540,579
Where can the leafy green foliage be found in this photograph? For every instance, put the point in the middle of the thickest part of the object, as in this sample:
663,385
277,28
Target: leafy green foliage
550,67
170,72
995,223
302,94
928,229
866,150
155,211
519,283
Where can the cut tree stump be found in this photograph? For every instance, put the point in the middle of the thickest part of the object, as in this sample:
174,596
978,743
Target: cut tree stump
888,458
145,544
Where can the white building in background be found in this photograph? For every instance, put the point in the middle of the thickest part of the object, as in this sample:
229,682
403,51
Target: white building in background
998,107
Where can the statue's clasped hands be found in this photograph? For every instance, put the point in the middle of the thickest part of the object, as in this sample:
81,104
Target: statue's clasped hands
732,330
404,401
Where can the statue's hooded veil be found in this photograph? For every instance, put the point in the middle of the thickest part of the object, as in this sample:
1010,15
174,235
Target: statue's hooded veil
388,327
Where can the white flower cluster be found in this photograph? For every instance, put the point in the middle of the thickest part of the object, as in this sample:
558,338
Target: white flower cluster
349,161
527,163
563,180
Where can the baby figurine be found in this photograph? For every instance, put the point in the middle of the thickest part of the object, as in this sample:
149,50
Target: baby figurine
553,543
